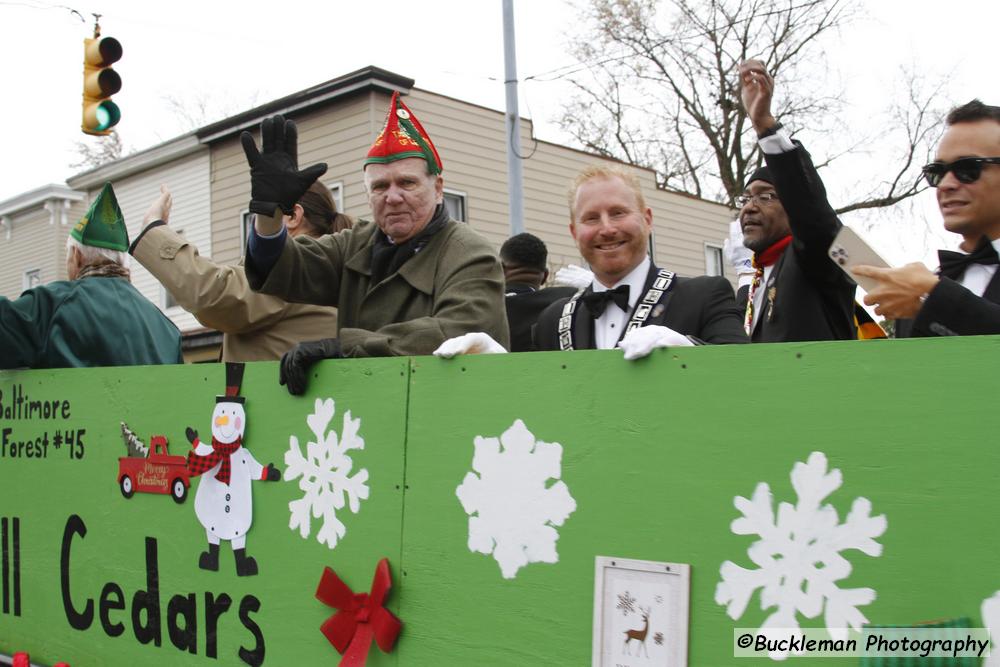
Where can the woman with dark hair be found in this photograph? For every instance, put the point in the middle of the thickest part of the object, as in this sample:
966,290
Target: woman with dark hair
255,327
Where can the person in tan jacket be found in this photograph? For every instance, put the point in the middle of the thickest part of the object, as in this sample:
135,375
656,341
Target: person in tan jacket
255,326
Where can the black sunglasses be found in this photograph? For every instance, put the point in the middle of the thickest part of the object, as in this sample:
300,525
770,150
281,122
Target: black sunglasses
966,169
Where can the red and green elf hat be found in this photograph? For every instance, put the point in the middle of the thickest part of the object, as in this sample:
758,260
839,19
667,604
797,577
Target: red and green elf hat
103,225
401,137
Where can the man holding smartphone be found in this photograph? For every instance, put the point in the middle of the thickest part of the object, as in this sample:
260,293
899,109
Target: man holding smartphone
963,298
797,293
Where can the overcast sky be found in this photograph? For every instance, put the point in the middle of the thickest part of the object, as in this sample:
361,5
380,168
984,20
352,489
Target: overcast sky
235,55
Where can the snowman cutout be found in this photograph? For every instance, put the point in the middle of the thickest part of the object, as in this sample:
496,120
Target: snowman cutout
223,500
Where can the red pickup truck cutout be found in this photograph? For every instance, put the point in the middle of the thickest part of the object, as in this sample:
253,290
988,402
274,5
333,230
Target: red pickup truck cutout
158,472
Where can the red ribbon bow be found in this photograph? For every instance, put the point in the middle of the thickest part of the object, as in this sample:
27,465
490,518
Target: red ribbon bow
359,617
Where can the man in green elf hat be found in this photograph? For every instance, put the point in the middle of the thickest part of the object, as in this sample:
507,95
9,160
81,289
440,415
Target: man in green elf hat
96,318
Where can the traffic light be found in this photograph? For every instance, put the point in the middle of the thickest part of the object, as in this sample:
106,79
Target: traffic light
100,82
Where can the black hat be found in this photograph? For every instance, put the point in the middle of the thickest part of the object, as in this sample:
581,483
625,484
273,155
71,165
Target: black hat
760,174
234,380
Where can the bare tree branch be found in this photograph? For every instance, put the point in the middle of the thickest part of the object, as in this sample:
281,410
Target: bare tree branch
661,90
98,150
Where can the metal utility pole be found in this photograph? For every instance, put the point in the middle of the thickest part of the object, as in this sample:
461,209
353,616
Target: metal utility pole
515,174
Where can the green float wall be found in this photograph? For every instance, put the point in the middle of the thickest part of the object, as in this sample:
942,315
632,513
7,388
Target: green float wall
654,453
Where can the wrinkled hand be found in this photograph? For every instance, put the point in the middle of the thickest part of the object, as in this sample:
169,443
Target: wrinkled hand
160,208
756,90
295,363
573,276
638,343
272,474
470,343
901,291
192,435
275,181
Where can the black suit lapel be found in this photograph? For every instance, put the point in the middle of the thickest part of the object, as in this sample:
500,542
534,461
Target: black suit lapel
992,293
742,295
583,324
659,312
767,305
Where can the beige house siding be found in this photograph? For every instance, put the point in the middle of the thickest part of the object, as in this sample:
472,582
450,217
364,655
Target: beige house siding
188,181
74,213
338,135
34,243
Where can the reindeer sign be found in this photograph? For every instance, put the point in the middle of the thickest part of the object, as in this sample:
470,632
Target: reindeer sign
640,635
640,613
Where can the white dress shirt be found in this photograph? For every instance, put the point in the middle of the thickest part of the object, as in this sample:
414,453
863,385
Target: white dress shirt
978,276
609,326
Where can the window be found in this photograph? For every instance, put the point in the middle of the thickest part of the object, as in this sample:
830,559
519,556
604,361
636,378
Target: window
337,192
455,203
713,260
31,278
246,219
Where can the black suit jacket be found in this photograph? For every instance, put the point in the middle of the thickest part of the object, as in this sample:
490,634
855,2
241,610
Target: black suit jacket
701,307
524,305
952,310
812,298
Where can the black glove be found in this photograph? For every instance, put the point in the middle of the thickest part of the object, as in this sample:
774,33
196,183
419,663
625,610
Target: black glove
296,362
273,474
275,181
192,435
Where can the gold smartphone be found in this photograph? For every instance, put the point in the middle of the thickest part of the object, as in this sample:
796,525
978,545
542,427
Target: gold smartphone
849,249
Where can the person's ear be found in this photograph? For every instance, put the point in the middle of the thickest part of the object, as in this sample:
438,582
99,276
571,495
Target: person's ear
296,219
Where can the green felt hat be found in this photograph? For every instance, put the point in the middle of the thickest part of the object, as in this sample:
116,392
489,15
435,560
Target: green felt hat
103,225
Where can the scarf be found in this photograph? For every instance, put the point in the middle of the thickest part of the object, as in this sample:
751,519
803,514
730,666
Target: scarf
198,464
104,269
766,258
387,258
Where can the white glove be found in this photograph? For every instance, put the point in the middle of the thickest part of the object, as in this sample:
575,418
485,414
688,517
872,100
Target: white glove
738,255
573,276
638,343
470,343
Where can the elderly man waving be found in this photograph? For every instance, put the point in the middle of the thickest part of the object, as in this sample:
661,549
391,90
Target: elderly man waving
403,283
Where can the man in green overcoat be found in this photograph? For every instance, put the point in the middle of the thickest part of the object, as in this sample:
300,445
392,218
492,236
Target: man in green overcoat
403,283
96,318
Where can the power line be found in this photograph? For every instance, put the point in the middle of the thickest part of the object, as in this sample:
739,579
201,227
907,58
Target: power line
43,5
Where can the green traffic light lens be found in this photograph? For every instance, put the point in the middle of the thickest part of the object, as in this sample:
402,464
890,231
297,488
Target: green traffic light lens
108,115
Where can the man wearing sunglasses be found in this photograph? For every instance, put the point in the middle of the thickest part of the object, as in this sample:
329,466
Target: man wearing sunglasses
797,293
963,298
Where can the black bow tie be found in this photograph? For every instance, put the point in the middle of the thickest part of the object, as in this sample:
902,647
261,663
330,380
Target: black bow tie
954,264
597,302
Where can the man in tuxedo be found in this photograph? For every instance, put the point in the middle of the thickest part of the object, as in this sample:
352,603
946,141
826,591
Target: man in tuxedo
797,293
524,258
963,298
631,301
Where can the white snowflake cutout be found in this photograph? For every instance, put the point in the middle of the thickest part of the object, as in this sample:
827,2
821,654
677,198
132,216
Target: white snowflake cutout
325,474
513,509
798,555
